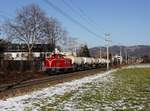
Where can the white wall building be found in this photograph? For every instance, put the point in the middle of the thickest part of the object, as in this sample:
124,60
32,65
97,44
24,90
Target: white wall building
117,58
19,55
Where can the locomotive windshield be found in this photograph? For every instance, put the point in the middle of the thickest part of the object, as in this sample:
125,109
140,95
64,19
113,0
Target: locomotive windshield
57,56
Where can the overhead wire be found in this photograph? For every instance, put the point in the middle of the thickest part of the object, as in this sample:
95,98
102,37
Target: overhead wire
90,20
86,16
77,13
73,20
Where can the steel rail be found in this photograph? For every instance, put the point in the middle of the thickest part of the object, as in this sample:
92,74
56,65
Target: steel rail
53,78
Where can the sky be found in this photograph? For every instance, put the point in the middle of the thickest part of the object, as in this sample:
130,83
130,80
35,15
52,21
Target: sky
127,21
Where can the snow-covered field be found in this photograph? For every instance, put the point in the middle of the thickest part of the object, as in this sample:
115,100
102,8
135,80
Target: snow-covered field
24,102
96,92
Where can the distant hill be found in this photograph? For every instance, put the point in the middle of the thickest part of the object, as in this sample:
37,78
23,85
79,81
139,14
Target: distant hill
132,51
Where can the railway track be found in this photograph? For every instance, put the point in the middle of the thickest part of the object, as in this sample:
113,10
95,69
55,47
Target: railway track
52,78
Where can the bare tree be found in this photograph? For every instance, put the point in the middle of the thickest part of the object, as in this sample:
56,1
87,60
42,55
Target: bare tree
53,32
32,26
27,26
72,44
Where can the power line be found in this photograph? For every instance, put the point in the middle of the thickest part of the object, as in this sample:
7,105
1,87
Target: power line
73,20
84,16
87,17
78,12
67,4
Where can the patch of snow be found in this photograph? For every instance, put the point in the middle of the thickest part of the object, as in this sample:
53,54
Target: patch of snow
138,66
98,83
21,102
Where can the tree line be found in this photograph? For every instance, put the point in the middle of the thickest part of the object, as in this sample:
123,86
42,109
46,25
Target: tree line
32,26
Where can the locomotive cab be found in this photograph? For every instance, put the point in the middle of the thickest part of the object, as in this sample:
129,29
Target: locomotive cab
57,63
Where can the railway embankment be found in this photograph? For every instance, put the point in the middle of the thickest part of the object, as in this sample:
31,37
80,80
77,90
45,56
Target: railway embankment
126,89
22,86
14,84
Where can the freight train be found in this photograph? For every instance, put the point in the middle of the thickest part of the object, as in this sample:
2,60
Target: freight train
59,63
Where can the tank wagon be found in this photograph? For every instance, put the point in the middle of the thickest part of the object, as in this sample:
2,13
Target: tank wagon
58,62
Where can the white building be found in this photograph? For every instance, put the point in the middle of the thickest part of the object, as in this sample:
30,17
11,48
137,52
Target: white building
117,58
19,55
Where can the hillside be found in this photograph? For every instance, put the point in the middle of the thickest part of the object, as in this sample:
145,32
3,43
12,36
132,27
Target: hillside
132,51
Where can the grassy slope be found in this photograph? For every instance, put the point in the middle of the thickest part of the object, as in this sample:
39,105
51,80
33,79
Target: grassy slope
133,86
125,90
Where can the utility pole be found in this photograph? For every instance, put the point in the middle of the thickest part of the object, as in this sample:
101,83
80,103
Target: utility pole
100,52
126,55
120,50
75,51
120,56
108,56
107,46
